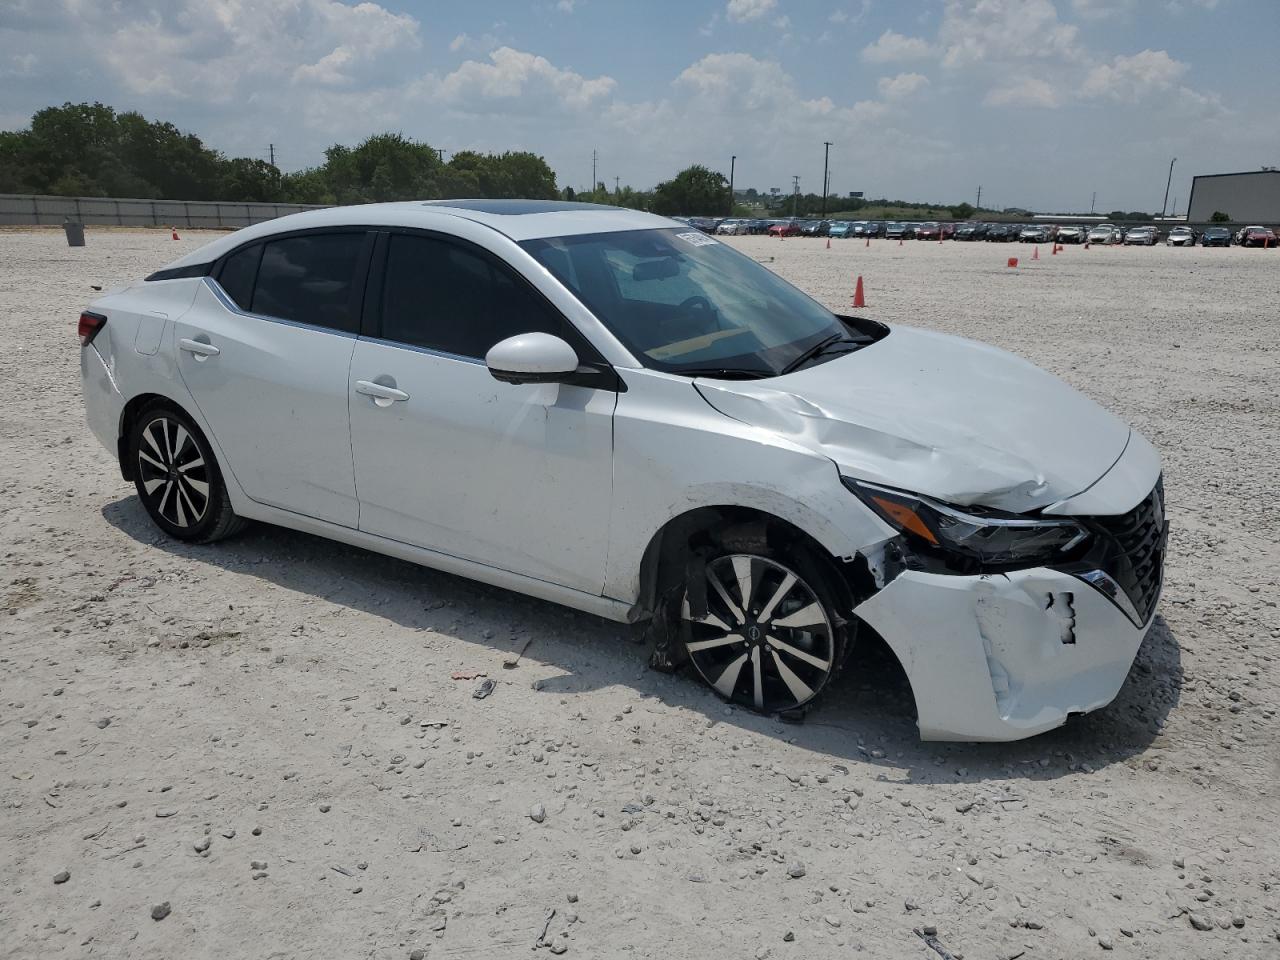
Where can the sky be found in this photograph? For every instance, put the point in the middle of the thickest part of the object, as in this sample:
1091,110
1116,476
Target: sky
1042,103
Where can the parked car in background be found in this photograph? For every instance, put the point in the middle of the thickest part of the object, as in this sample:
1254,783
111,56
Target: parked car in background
759,226
1181,237
841,229
929,231
1215,237
1035,233
1105,233
732,228
1257,237
875,228
705,224
947,230
910,229
895,230
467,387
787,228
815,228
1141,236
1071,233
971,230
1000,233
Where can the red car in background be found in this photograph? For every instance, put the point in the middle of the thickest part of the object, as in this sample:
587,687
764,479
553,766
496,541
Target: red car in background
947,230
1257,237
929,231
791,229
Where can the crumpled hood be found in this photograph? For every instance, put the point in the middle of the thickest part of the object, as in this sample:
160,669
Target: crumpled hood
940,415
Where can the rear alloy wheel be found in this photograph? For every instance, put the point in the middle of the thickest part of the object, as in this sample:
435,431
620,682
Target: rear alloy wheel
767,640
177,477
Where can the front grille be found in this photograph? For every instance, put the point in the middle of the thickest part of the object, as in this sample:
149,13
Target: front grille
1136,561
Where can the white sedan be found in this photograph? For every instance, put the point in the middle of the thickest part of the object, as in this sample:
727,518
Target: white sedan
610,410
733,228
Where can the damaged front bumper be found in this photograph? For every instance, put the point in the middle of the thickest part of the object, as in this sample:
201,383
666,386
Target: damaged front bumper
1004,656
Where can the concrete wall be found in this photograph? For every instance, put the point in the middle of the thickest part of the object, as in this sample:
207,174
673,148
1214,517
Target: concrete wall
1245,197
26,210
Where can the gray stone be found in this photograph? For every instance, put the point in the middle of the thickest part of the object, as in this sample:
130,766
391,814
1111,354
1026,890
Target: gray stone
796,871
161,910
537,813
62,876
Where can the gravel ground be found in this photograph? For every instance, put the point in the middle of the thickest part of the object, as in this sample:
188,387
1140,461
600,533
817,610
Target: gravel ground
256,749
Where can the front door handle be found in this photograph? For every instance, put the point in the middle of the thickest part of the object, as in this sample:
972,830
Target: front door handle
199,348
380,391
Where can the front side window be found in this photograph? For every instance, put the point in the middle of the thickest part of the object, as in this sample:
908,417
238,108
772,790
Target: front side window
446,297
311,279
683,302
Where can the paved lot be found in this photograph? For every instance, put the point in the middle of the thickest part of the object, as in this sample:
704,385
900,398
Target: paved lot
287,704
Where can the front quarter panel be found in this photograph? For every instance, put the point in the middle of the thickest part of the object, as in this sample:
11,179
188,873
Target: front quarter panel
674,453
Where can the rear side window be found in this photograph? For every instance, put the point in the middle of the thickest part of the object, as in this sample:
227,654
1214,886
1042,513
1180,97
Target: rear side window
445,297
238,273
311,279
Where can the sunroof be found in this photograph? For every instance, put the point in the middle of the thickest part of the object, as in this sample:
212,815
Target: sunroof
515,208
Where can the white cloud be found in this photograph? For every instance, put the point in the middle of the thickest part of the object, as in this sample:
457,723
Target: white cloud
1028,92
458,42
891,47
1005,30
902,86
1132,78
566,6
516,79
741,11
838,16
1102,9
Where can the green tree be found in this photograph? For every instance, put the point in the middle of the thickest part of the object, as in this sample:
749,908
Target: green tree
1219,217
961,211
693,191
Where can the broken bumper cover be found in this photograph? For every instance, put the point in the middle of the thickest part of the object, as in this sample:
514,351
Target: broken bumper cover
1003,656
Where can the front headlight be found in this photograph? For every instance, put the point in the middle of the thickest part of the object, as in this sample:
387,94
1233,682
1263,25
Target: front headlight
986,536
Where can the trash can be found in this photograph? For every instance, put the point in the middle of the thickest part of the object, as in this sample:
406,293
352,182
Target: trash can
74,232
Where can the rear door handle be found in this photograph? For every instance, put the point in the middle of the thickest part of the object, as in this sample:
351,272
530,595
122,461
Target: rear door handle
198,347
379,391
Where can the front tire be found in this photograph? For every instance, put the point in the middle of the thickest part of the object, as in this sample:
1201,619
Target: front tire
764,630
177,477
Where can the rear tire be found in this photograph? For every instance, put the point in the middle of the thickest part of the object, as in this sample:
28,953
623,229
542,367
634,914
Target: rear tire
177,477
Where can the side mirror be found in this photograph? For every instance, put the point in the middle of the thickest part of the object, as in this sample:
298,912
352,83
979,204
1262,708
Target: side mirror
531,358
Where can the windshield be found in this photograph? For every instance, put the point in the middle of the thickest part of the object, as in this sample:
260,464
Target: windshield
685,303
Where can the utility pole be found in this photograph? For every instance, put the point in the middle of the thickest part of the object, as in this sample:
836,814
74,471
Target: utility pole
795,194
826,155
1093,203
617,187
978,205
1167,184
732,162
593,171
271,148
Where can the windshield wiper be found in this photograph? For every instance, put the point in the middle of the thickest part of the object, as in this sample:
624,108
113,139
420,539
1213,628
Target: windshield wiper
819,348
726,373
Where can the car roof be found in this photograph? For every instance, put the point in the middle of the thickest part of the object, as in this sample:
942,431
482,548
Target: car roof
517,219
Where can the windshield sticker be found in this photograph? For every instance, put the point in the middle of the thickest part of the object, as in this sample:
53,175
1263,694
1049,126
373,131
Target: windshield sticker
697,238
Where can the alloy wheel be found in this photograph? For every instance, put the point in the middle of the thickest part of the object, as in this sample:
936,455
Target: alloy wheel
766,640
172,473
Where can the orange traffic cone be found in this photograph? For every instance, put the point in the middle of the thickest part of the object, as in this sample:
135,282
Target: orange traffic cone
1086,244
1035,255
175,232
1055,250
899,241
858,299
828,241
868,241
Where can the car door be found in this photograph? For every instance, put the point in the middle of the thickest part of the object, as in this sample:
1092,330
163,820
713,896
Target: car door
518,477
265,352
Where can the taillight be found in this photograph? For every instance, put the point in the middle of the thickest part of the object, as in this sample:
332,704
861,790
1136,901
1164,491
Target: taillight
90,324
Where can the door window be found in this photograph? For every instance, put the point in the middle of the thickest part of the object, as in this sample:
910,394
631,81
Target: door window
311,279
238,273
446,297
